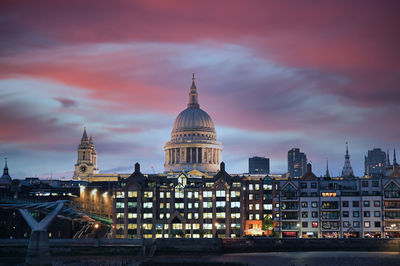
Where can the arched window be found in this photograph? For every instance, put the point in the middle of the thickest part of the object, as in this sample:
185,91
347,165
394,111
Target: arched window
392,191
289,192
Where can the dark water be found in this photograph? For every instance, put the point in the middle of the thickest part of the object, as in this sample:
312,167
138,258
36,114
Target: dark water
324,258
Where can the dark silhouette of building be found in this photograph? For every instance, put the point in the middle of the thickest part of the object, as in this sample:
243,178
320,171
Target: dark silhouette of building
259,165
297,163
375,163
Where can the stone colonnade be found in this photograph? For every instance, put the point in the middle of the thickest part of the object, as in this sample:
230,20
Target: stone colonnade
192,155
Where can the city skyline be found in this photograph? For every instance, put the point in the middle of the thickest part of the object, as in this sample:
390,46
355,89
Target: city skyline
271,81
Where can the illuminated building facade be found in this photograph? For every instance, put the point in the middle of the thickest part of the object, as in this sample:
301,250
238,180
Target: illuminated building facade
181,205
297,162
312,207
375,163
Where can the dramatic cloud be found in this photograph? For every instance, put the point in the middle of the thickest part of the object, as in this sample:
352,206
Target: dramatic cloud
272,74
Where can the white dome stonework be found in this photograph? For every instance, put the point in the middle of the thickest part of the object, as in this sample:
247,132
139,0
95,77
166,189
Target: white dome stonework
193,142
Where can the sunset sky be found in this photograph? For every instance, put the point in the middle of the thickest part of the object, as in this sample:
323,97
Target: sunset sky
272,74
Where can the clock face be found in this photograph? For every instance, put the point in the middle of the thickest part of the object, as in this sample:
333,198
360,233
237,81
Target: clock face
82,168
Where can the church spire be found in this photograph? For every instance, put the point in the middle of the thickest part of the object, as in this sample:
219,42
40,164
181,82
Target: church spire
387,158
327,169
394,157
84,136
193,96
6,175
347,169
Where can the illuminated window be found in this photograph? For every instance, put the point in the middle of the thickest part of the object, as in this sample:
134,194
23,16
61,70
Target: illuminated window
257,217
120,194
257,206
132,215
250,206
148,205
267,206
235,204
147,215
189,215
119,205
328,194
257,187
147,226
220,204
161,195
235,215
179,206
250,186
161,215
132,194
190,205
207,226
207,194
236,184
207,215
314,224
189,195
132,226
120,215
148,194
220,193
161,205
196,215
119,226
250,196
267,187
179,194
196,195
177,226
207,204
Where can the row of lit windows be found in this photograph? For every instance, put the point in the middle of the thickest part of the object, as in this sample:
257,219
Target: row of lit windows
178,226
178,194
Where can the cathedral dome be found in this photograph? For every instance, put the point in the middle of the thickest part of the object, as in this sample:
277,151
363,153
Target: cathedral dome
193,143
193,119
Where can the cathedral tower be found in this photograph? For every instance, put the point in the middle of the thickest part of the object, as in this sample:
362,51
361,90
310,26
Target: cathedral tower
86,164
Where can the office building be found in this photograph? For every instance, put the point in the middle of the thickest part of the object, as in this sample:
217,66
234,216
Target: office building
297,162
259,165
